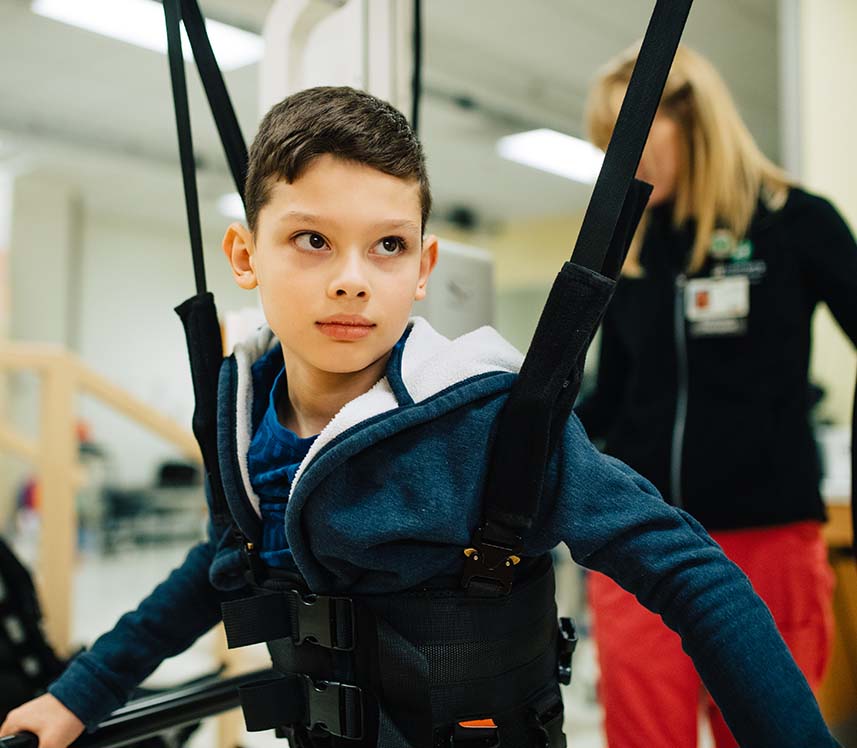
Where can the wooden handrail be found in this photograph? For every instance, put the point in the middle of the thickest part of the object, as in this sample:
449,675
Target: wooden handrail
63,376
124,402
26,356
17,444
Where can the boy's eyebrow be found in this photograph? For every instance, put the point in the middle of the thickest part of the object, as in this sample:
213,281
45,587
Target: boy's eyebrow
297,215
393,223
403,223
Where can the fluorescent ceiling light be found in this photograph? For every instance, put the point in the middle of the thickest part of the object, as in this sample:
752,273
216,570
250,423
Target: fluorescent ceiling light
141,22
230,205
555,152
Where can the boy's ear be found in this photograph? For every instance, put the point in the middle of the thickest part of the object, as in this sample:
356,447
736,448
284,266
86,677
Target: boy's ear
428,259
239,249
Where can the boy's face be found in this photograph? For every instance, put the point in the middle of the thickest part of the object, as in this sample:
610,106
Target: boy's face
339,259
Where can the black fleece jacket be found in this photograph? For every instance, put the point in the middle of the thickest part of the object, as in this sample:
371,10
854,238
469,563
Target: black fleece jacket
739,450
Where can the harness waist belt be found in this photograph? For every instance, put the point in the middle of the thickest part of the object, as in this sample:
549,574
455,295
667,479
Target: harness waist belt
322,620
296,699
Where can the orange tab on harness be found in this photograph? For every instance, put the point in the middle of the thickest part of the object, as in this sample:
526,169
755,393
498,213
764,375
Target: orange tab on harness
477,723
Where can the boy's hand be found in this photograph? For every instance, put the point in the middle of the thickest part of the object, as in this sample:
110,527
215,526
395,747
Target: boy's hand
46,717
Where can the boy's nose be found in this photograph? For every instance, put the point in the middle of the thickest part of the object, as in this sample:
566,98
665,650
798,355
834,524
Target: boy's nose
350,280
344,291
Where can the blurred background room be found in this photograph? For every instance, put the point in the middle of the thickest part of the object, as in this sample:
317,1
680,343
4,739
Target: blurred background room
100,481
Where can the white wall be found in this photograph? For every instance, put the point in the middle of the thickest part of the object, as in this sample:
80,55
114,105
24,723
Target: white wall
43,214
828,111
133,275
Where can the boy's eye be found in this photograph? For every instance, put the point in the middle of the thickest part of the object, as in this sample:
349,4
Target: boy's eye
310,242
390,246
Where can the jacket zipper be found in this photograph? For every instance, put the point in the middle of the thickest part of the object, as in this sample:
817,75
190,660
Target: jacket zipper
681,395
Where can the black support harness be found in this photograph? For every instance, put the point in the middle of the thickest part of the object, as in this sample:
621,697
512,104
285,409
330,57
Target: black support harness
470,661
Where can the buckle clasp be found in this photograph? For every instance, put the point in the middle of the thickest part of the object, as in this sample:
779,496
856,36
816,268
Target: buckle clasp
335,707
566,645
490,562
320,621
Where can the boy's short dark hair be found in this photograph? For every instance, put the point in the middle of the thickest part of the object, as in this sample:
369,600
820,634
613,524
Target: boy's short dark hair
350,124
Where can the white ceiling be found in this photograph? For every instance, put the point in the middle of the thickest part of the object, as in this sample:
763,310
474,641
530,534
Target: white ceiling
98,112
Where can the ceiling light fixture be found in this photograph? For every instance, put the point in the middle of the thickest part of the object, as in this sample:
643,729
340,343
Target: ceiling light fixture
555,152
141,22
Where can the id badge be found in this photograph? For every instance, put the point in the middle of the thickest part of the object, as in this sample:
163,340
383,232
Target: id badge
717,306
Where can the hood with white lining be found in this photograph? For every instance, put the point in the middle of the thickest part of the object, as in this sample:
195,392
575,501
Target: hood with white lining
429,364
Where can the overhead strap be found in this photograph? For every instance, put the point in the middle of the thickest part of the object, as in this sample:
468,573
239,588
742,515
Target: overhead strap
631,132
198,314
172,13
234,147
549,380
854,475
218,97
417,74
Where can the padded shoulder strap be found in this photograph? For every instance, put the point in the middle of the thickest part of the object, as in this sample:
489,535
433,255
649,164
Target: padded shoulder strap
543,394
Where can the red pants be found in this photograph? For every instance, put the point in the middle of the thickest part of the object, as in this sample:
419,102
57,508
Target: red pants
648,686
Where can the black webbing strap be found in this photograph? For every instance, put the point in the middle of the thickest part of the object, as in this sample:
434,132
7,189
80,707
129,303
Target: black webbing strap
172,14
631,131
234,147
218,97
417,74
854,473
326,621
549,380
297,700
198,314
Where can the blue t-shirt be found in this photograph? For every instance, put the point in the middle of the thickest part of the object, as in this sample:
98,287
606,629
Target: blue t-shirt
273,459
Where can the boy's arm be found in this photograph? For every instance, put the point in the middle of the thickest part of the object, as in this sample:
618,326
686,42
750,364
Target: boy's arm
615,522
167,622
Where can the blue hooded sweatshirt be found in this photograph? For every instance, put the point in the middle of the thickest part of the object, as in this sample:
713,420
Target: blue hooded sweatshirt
388,497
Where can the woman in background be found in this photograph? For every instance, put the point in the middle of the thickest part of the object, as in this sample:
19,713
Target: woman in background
703,385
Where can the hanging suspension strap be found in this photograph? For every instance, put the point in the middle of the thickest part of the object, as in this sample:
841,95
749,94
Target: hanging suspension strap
854,474
543,394
198,313
234,147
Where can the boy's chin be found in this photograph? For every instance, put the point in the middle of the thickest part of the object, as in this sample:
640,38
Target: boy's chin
346,361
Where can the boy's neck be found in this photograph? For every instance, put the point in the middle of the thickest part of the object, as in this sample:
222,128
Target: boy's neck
315,396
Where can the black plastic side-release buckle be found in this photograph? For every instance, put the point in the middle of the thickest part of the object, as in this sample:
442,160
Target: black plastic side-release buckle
294,701
336,708
327,621
265,616
490,562
566,644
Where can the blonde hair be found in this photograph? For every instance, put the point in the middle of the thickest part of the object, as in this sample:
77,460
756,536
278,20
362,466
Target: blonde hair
722,172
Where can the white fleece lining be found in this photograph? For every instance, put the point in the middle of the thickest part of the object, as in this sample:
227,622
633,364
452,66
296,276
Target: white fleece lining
430,363
377,400
434,362
246,353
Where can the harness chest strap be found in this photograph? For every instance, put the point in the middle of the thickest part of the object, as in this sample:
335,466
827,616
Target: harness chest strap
327,621
431,660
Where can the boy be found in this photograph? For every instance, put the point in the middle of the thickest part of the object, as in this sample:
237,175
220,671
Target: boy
355,439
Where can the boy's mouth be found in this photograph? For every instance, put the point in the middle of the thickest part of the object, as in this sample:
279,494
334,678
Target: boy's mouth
345,326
